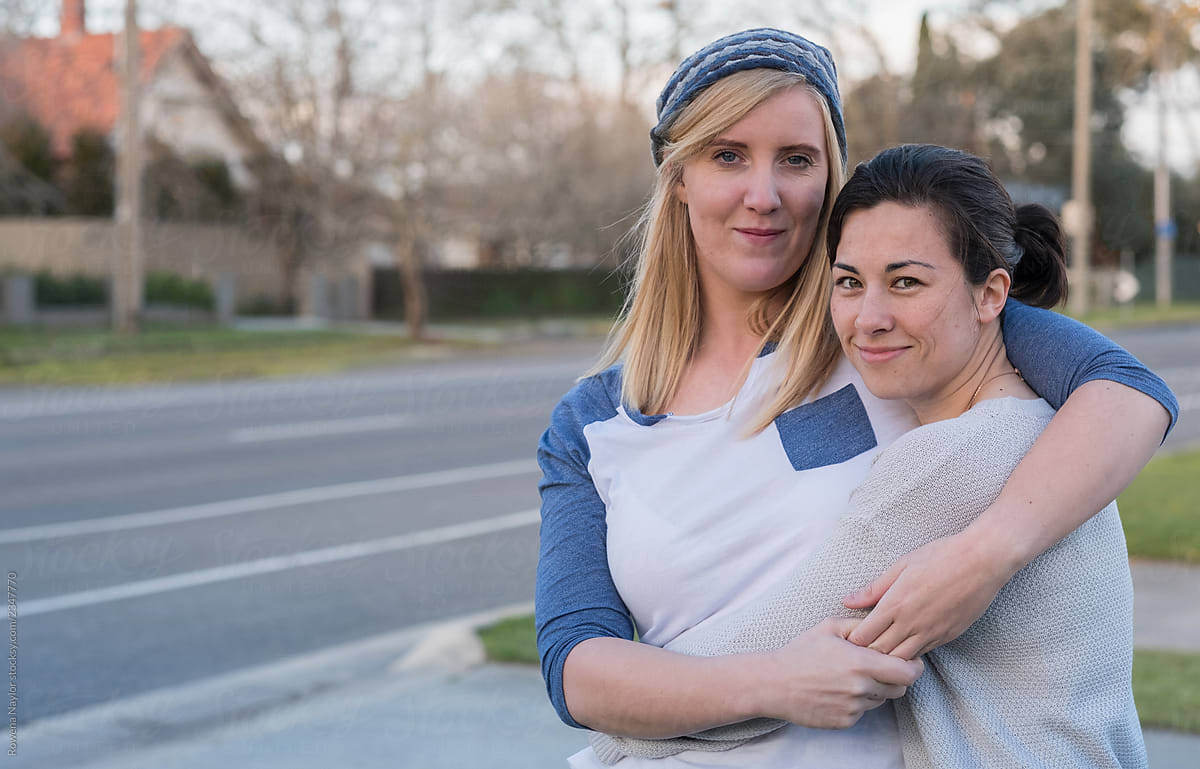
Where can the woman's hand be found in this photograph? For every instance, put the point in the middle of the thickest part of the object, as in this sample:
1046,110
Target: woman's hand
929,597
825,682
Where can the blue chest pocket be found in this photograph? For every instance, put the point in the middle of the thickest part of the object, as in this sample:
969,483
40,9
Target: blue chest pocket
827,431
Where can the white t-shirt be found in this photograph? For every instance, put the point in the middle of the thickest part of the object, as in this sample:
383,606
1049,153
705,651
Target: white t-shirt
702,520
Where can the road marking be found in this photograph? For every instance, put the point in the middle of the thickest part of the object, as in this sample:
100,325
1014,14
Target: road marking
319,428
267,502
280,563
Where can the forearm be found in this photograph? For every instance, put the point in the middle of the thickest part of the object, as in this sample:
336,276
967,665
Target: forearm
1096,444
623,687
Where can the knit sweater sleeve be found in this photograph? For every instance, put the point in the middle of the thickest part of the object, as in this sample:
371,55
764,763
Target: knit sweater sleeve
889,515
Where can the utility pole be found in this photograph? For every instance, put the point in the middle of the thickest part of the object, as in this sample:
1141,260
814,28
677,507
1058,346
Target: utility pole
1079,214
127,277
1164,226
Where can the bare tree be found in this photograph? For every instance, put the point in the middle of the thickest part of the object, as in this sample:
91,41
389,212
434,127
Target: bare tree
17,17
298,68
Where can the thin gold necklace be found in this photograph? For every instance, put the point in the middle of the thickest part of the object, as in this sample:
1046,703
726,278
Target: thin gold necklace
971,402
979,389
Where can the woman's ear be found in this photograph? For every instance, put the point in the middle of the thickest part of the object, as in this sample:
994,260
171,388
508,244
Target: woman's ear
681,192
992,294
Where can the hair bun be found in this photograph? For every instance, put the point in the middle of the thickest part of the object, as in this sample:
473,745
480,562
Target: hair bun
1040,277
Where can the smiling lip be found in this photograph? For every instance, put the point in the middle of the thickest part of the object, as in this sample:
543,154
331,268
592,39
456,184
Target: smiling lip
879,354
759,235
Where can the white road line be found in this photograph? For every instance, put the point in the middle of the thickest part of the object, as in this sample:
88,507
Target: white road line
319,428
267,502
280,563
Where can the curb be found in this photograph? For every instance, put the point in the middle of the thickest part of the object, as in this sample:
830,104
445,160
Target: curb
156,719
455,646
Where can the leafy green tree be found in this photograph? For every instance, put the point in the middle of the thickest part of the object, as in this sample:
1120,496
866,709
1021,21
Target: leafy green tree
187,190
30,145
941,104
89,181
1028,92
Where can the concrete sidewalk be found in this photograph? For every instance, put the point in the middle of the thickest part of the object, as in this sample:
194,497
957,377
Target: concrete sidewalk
360,710
1166,605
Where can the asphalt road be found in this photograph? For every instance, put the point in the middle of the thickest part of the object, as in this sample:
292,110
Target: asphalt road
152,546
171,534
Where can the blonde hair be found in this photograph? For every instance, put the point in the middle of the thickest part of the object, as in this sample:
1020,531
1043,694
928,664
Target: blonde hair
658,329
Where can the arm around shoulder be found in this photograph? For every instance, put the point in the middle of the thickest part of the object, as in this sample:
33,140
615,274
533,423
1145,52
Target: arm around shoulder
1057,355
1112,414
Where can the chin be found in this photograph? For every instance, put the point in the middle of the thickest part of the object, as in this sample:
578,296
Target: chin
884,387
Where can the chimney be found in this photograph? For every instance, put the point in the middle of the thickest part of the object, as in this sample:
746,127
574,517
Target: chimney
73,24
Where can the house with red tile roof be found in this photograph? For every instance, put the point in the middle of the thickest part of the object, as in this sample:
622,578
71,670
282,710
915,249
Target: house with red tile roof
70,82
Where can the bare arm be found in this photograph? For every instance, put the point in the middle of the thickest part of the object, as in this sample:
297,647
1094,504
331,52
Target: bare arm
1097,443
1093,448
640,690
819,680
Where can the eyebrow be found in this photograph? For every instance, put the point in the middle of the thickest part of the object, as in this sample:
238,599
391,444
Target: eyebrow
789,148
907,263
890,268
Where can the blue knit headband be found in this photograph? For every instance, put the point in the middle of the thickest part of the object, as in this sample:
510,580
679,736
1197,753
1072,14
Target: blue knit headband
753,49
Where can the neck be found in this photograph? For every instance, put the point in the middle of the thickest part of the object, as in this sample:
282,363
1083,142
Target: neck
988,374
722,360
726,333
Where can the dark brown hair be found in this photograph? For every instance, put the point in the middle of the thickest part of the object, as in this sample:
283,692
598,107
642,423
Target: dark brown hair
981,225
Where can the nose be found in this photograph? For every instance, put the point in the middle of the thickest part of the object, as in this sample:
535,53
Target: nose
874,313
762,190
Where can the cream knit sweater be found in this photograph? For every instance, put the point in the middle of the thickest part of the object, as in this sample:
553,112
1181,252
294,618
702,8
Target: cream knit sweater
1042,679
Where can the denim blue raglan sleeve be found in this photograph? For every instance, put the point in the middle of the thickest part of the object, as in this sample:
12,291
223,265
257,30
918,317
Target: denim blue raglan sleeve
575,597
1057,354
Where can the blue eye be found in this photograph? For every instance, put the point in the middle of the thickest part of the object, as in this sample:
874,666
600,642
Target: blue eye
726,156
799,161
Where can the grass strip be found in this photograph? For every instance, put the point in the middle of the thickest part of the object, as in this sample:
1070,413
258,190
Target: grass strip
1161,509
1166,685
511,640
41,356
1166,688
1141,315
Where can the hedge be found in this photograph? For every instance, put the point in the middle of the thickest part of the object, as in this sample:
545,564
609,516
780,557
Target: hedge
160,288
169,288
463,294
51,289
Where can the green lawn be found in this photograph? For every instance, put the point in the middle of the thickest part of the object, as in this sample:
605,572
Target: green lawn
1142,314
1161,509
1166,685
41,356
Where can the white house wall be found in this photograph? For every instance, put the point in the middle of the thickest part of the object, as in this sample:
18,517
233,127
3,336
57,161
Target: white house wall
182,112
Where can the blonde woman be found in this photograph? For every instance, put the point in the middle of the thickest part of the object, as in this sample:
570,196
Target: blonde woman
718,441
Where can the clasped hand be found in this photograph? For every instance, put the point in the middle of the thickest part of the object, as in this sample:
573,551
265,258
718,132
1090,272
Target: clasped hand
826,682
927,598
